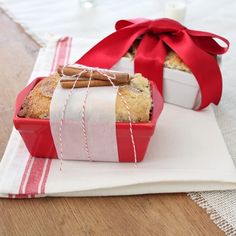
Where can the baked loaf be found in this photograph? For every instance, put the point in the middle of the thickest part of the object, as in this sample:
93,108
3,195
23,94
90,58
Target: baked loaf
137,96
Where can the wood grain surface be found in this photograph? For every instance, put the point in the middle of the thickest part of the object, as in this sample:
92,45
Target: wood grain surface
162,214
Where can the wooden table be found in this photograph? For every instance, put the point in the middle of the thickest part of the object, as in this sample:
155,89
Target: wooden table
162,214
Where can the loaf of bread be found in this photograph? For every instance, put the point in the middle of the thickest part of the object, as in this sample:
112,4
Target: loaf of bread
136,94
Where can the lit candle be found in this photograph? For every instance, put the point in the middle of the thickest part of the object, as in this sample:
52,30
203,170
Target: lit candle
175,10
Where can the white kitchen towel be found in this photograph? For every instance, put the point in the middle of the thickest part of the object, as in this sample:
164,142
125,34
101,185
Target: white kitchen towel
186,153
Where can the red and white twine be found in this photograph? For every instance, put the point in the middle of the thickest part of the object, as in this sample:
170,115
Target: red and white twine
128,110
83,120
77,76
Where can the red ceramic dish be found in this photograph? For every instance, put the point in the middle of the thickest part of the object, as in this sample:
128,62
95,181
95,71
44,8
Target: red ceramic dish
37,136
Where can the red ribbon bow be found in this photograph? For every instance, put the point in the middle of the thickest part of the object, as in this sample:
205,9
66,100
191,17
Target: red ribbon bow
197,49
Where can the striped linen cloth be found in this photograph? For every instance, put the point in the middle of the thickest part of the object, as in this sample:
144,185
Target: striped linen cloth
173,163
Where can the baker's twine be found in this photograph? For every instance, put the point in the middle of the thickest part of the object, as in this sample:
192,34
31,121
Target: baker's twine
83,120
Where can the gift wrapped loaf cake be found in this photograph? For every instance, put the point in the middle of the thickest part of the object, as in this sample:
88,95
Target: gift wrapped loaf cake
38,124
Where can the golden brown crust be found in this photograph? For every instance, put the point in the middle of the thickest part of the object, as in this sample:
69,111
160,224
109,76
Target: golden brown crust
137,96
37,103
173,61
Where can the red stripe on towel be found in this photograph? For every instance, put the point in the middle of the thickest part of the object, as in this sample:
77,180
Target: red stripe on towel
62,53
35,176
45,176
25,174
37,170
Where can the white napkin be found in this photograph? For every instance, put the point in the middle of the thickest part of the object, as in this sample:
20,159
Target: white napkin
186,153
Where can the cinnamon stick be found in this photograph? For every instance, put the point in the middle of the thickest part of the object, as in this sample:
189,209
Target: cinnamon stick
84,83
119,76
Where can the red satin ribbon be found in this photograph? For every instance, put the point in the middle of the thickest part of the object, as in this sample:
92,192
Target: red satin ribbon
197,49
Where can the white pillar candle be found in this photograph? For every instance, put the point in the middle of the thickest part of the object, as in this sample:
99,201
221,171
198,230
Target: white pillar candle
175,10
86,3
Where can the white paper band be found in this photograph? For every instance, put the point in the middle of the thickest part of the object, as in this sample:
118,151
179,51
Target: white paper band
69,133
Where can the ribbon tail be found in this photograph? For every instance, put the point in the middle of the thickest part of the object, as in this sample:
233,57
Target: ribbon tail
108,52
206,42
203,66
149,59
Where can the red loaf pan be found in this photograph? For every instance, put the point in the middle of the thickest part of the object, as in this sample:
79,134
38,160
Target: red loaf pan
37,136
